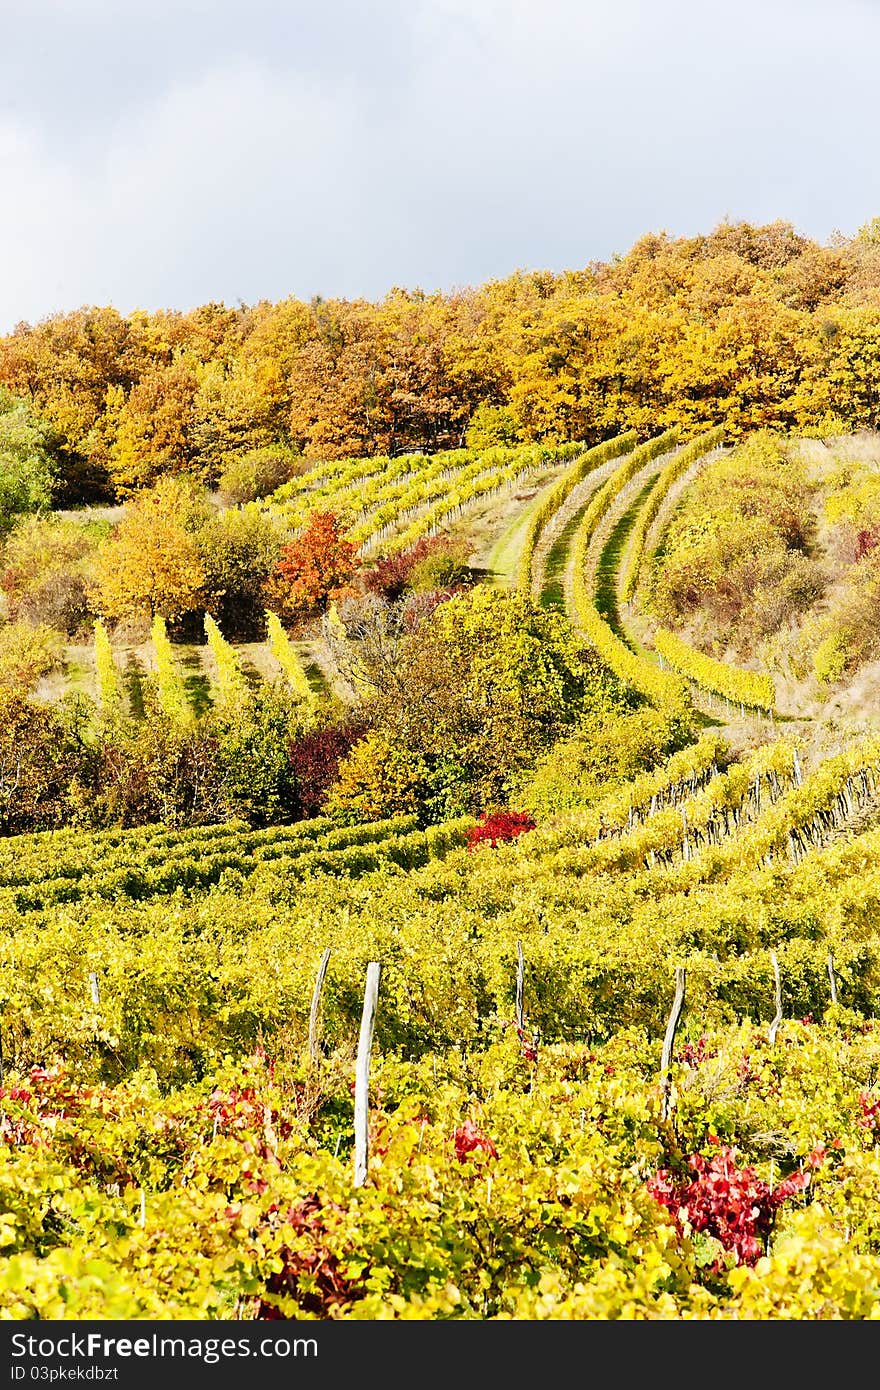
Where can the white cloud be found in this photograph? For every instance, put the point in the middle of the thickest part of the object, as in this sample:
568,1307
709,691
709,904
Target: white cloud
430,142
194,191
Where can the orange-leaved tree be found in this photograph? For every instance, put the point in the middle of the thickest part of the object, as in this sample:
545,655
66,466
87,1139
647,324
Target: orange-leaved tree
314,569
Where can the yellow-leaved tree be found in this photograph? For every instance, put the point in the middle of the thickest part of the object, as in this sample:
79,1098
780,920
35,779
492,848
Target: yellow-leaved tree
151,563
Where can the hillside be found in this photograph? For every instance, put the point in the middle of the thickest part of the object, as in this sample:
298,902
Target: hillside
576,738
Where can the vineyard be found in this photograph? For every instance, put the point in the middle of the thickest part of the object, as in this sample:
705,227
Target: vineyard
625,1060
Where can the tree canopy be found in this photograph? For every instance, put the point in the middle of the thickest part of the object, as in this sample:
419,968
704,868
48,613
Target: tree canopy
748,326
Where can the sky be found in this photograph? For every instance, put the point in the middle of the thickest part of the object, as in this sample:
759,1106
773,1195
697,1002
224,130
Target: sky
164,153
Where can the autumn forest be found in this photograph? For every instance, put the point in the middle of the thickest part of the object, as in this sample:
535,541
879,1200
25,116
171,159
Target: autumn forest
746,327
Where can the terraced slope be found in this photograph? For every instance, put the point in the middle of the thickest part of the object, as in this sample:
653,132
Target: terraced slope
589,556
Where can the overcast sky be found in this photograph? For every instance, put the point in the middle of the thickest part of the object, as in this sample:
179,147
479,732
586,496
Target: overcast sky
168,152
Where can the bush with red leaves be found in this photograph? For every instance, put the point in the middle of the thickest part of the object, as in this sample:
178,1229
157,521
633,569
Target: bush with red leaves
469,1138
499,827
390,575
732,1204
866,541
28,1113
694,1054
310,1274
315,759
870,1107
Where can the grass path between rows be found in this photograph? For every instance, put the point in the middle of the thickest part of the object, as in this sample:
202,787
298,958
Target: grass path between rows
502,561
609,565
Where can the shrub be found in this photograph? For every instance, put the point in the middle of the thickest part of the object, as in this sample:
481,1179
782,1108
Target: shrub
848,632
259,783
27,471
238,552
445,568
498,827
37,761
47,565
258,473
432,563
315,759
27,654
491,425
831,657
153,770
60,599
378,779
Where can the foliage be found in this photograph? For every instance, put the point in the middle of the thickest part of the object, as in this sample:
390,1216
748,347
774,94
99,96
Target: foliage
170,690
847,633
257,473
492,424
608,748
27,471
633,669
253,741
47,568
27,654
499,827
151,563
432,563
156,769
37,762
735,555
285,654
377,779
444,568
480,691
745,326
561,490
238,551
315,759
109,691
151,427
230,684
185,1135
732,1205
313,570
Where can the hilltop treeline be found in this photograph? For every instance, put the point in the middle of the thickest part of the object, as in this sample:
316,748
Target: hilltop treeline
748,326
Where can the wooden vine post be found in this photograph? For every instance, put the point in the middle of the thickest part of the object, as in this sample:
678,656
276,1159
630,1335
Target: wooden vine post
314,1012
777,1017
832,978
669,1040
95,996
362,1076
528,1046
520,988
